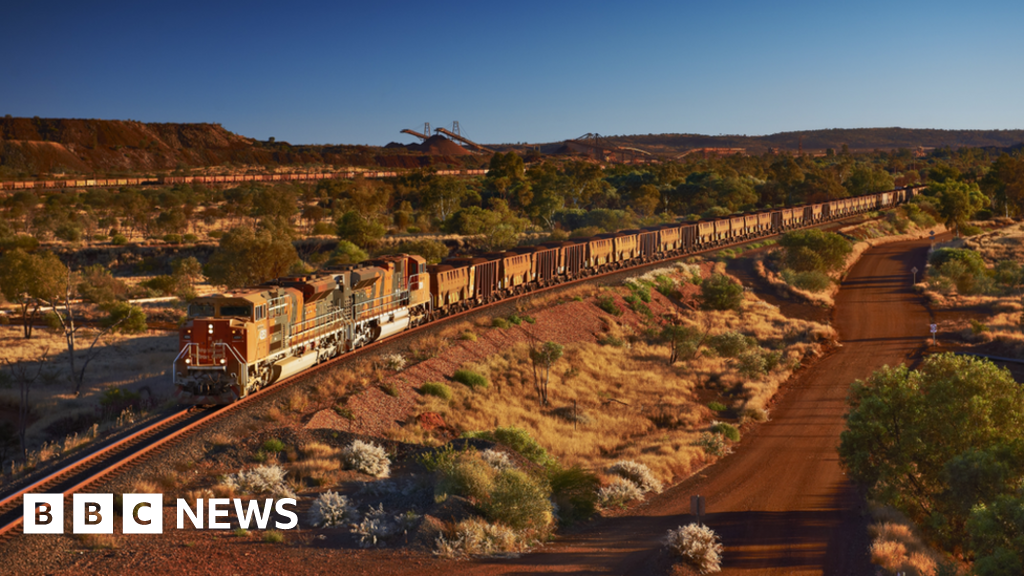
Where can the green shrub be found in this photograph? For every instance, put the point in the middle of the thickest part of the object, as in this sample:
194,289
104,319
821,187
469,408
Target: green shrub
118,240
322,229
727,430
517,439
665,285
499,323
442,458
970,260
518,500
812,281
730,344
751,364
574,490
978,327
172,238
273,445
470,378
468,336
164,285
273,537
466,474
642,290
190,238
607,303
720,293
716,406
437,389
970,230
807,250
712,444
68,233
118,398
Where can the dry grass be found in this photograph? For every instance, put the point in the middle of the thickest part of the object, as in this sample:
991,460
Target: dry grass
137,363
1003,325
429,346
896,546
627,402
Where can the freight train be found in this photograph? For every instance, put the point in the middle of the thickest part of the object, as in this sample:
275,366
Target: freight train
222,179
234,344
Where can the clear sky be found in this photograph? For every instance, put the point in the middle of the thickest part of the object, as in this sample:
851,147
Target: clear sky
359,72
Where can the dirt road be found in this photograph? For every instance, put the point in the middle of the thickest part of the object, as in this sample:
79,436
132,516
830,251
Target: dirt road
781,503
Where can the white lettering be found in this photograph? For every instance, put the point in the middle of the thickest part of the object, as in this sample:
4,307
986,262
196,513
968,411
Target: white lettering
217,512
92,513
143,514
253,512
280,508
43,513
196,518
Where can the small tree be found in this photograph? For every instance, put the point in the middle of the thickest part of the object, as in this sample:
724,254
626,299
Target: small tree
958,201
720,293
544,356
246,258
681,341
28,280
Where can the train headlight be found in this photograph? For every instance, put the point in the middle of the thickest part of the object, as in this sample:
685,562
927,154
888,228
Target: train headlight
188,360
223,361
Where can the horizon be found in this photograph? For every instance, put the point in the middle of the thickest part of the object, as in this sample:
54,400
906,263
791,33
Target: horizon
538,73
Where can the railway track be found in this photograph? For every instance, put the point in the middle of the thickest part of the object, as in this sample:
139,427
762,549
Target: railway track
159,436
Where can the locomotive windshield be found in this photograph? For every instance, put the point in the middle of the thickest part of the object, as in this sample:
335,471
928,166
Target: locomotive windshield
245,311
200,310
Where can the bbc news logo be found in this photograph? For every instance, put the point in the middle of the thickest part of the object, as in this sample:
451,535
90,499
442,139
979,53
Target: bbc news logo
144,513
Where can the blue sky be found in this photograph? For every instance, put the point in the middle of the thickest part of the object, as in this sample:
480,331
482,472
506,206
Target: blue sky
359,72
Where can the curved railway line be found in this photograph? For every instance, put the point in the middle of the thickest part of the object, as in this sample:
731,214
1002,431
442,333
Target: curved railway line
160,435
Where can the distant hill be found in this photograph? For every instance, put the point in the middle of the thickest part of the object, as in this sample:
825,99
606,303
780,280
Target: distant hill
37,146
34,146
857,139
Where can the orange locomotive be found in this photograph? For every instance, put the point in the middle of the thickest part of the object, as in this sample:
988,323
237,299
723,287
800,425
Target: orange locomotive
234,344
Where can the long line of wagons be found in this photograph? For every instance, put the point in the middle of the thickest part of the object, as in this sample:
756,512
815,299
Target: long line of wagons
233,344
219,179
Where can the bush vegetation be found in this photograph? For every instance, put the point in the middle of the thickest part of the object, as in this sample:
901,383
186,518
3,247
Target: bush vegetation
954,422
436,389
470,378
719,292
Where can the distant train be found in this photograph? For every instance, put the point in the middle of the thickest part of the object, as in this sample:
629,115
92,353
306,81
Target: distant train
224,179
234,344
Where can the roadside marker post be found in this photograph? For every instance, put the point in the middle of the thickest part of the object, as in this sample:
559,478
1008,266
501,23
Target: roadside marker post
934,328
914,272
697,507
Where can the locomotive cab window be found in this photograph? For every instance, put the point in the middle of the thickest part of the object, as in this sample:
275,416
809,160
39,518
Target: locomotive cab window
200,310
243,311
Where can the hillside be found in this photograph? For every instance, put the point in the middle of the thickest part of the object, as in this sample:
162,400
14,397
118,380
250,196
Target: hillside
33,146
859,139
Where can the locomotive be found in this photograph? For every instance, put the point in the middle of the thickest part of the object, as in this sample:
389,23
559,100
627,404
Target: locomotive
234,344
